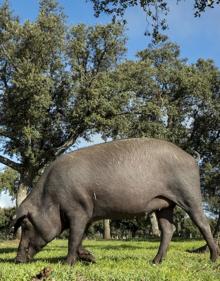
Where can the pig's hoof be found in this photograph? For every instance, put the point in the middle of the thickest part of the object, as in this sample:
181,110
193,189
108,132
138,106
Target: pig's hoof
71,260
86,257
214,257
156,261
17,260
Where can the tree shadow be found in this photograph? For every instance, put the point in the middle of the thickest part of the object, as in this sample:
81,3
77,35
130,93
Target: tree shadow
121,247
51,260
8,250
116,247
62,260
120,258
7,260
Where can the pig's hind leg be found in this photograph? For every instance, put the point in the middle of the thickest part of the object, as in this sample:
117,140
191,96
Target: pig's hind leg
196,213
165,220
164,212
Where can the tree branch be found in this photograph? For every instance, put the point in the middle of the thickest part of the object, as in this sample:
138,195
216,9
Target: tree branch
3,75
69,141
10,163
10,59
74,136
6,134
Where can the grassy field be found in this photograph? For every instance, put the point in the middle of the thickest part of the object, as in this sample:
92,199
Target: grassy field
116,260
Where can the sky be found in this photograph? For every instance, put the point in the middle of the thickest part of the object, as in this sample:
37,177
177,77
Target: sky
197,37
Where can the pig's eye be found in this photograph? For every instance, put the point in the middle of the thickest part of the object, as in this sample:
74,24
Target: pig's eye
24,227
24,224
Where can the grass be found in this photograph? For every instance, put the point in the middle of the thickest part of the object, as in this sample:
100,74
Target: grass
116,260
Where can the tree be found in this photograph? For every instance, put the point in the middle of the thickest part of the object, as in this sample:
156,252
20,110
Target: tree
8,181
154,225
62,84
152,8
5,221
48,91
107,230
173,100
29,60
167,98
207,129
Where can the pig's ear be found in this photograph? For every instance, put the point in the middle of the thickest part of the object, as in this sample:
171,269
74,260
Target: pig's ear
17,223
21,214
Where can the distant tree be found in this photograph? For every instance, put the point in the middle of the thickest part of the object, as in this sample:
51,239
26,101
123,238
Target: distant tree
5,220
8,181
107,229
154,225
139,227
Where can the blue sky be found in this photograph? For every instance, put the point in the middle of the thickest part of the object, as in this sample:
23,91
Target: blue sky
197,37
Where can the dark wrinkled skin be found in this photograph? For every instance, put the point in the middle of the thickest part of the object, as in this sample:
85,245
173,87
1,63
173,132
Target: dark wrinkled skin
114,180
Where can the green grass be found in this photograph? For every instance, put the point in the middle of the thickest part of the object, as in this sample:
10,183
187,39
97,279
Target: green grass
116,260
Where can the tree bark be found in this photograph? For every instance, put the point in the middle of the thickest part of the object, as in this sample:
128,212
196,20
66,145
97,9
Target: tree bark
154,225
107,230
20,196
217,227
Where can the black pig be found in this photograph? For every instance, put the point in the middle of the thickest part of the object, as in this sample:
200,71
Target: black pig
112,180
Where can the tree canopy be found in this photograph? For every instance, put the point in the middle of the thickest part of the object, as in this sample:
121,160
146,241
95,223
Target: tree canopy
177,101
48,86
8,181
59,83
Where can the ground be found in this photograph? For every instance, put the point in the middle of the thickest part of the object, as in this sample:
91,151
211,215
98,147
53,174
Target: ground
116,260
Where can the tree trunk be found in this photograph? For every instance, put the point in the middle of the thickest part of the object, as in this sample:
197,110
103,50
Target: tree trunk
20,196
154,225
133,232
217,227
107,230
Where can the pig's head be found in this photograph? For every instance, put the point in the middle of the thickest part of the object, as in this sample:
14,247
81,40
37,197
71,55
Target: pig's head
31,241
37,231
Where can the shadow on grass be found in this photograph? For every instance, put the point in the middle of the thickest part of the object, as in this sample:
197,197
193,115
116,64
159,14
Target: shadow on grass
53,260
62,260
110,247
113,258
122,247
123,258
8,250
9,260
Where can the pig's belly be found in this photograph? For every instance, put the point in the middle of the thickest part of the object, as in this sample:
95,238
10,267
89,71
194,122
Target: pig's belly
127,202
